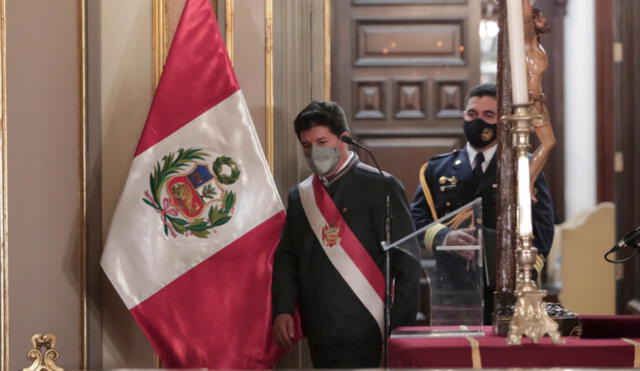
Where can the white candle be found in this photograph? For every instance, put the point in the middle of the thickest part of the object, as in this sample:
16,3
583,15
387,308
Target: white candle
515,23
524,198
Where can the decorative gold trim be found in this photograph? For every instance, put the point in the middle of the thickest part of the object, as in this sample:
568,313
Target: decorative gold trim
426,190
269,99
159,46
539,265
476,360
4,251
326,15
157,362
82,51
430,235
636,351
576,331
159,39
228,27
43,361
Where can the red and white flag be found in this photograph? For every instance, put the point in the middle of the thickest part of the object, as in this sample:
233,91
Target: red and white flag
191,244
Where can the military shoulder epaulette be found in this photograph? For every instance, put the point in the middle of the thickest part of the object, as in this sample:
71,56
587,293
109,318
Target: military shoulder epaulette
443,155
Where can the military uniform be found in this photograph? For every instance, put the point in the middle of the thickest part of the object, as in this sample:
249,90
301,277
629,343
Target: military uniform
341,331
450,179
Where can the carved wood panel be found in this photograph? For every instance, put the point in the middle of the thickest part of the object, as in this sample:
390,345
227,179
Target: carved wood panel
450,95
401,72
410,42
411,99
627,115
369,99
389,150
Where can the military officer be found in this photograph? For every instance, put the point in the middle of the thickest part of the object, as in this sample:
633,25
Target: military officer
451,180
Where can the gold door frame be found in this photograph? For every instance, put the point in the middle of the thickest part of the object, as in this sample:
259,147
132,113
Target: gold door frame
161,33
326,18
82,118
4,263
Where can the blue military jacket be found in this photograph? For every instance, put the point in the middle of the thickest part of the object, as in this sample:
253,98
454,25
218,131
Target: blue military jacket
450,179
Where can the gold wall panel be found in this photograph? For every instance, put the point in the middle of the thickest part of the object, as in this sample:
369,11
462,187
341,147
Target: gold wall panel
4,262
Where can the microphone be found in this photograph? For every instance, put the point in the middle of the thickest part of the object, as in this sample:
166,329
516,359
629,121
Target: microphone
632,238
347,139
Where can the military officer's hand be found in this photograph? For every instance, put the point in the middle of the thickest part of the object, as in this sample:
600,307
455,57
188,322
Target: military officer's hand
283,330
462,237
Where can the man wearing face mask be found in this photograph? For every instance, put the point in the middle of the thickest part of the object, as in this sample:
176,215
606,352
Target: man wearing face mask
329,263
457,178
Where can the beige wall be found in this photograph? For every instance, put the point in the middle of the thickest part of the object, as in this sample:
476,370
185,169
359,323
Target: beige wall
588,281
44,158
126,92
249,58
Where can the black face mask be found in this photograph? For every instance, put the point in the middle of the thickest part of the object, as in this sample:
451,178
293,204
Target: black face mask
479,133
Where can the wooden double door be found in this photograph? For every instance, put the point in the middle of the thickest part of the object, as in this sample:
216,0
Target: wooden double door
400,69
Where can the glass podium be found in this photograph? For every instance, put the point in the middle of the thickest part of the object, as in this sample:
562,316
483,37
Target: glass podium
454,258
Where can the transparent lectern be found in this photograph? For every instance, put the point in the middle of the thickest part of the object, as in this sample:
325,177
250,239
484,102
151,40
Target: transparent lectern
453,255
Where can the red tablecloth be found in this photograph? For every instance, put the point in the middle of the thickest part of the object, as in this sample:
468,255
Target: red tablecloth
494,352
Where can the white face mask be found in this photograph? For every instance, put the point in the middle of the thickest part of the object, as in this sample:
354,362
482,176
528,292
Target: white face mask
323,160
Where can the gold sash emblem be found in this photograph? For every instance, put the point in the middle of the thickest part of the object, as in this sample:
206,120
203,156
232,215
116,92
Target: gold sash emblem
330,235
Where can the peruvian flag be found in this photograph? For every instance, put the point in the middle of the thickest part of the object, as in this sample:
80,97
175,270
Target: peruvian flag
191,244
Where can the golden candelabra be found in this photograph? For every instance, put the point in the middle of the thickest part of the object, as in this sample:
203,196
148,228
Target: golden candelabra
530,316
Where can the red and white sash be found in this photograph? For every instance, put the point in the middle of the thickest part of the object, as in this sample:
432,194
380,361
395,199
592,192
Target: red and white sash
343,248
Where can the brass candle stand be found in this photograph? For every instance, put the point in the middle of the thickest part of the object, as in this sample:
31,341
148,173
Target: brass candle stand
530,316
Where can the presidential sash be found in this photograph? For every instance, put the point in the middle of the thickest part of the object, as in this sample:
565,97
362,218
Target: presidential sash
344,250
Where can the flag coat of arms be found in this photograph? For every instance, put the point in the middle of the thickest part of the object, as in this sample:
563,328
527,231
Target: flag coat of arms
191,244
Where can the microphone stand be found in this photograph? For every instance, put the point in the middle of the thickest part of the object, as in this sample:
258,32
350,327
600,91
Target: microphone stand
387,256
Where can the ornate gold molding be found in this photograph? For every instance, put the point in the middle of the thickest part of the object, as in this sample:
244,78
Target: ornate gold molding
43,361
159,34
269,98
228,27
160,38
4,258
326,17
530,317
82,93
159,50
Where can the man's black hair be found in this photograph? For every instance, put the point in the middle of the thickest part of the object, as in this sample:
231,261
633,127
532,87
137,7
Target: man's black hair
482,90
321,113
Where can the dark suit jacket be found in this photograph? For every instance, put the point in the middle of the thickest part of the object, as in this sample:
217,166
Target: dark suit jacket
303,275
